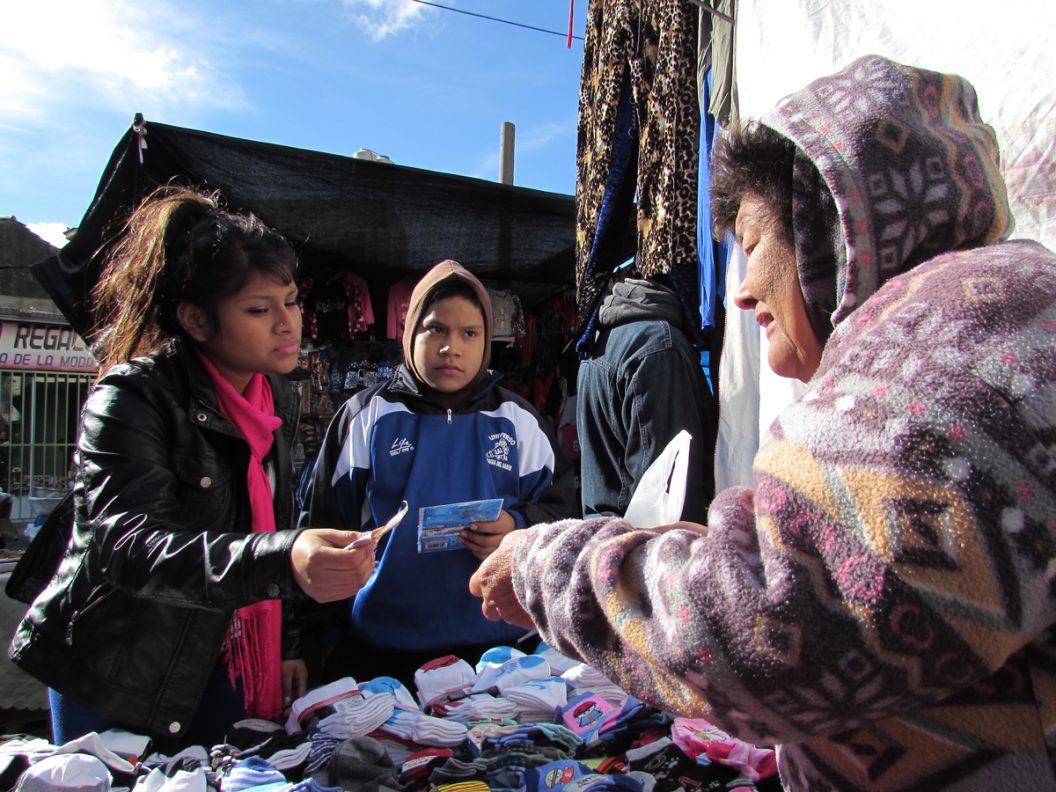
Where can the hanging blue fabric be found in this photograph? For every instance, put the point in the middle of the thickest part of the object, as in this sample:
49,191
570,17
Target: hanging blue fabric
618,192
711,255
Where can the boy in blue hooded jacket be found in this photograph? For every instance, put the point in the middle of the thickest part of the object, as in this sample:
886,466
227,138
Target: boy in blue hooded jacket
442,430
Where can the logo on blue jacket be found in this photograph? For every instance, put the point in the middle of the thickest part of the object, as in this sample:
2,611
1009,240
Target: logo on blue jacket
499,455
401,445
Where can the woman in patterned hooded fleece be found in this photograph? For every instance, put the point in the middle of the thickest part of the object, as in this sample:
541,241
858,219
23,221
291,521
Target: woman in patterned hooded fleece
881,604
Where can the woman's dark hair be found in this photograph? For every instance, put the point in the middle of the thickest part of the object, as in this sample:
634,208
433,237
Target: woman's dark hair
178,245
751,158
452,287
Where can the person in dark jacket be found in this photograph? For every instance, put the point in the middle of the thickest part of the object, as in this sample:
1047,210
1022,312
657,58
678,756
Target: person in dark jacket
165,615
641,386
442,430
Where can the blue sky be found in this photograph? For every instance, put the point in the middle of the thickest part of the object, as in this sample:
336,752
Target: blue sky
427,87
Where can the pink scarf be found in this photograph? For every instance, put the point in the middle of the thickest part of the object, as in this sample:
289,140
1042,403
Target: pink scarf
254,639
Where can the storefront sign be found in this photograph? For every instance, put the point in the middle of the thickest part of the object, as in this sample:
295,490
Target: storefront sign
43,347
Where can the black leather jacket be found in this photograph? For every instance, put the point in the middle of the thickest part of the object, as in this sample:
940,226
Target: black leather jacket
162,553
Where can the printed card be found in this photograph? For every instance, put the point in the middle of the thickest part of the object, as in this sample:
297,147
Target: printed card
439,526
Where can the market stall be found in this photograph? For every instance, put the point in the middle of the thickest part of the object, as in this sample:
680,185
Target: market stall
364,231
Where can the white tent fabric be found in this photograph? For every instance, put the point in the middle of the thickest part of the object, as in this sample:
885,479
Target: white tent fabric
1005,49
739,382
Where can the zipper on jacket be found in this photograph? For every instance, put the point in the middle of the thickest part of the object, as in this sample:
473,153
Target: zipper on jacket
296,421
288,506
448,416
90,605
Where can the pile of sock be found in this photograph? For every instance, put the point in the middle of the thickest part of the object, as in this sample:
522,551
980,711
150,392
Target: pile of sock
512,722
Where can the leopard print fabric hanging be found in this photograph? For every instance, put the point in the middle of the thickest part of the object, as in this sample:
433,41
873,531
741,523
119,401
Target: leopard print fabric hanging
652,45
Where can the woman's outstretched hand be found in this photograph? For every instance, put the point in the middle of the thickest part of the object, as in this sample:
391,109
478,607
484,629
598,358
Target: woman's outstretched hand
494,582
325,567
482,538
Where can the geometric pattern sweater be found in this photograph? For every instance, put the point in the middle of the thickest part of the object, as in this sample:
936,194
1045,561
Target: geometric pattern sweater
881,604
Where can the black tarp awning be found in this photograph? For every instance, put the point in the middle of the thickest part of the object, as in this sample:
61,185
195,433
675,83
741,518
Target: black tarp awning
382,221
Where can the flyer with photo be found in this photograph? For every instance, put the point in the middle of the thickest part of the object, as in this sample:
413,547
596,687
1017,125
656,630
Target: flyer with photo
439,526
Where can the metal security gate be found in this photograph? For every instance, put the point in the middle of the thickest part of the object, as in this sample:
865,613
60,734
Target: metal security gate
39,416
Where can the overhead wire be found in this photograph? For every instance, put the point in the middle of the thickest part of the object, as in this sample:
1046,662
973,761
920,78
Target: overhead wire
495,19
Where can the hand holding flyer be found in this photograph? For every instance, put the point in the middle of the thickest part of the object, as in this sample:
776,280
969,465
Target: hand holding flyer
375,535
439,526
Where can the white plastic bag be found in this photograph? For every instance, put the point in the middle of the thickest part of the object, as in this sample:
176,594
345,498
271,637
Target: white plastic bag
659,496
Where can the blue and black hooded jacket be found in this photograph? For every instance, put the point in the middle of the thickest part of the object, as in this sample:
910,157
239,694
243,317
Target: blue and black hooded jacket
397,441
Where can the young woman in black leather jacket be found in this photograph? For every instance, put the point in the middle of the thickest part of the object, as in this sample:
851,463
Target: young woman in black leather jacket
170,612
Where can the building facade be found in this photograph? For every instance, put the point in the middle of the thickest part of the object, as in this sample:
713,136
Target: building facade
45,372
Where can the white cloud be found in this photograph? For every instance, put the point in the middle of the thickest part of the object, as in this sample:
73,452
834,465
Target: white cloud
116,52
539,137
383,18
531,140
20,93
49,232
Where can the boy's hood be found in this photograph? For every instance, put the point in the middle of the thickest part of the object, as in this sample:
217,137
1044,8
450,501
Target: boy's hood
445,270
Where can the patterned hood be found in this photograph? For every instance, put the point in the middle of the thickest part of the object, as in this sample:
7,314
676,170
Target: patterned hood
911,167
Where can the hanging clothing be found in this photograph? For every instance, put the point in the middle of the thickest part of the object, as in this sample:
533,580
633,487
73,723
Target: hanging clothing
739,378
337,308
717,60
399,301
712,255
638,135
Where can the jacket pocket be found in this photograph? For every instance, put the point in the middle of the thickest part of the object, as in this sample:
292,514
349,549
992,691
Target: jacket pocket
205,489
82,617
118,638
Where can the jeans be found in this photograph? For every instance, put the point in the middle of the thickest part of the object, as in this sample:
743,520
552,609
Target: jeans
220,707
